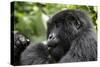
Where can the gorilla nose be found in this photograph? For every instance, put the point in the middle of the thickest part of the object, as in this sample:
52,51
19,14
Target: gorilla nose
51,36
52,40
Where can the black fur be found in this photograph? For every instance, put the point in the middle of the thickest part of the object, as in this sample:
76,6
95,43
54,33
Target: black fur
74,37
35,54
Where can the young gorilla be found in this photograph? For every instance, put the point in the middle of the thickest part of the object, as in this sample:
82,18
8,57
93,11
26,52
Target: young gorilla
70,39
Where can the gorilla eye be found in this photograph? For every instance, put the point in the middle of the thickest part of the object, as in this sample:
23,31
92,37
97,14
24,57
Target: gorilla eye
77,24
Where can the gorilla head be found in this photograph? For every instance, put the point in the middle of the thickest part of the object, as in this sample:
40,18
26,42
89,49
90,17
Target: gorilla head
63,28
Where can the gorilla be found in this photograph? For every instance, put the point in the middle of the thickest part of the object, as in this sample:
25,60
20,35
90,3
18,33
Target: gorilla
71,38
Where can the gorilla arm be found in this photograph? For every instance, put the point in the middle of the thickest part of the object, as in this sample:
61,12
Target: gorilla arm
35,54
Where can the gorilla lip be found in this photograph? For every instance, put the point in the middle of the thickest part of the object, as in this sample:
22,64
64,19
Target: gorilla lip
52,43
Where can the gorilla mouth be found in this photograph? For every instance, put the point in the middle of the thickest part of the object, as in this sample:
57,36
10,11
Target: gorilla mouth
51,44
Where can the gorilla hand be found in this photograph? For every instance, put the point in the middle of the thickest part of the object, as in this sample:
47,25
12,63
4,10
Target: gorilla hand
20,43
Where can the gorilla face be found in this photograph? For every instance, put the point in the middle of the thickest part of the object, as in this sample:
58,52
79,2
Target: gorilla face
62,29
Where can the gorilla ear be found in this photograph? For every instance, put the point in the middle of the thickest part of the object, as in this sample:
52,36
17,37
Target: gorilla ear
77,23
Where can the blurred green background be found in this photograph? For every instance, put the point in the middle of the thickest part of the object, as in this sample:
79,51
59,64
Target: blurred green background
30,18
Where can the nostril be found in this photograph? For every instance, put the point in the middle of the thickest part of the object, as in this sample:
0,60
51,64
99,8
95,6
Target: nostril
51,36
